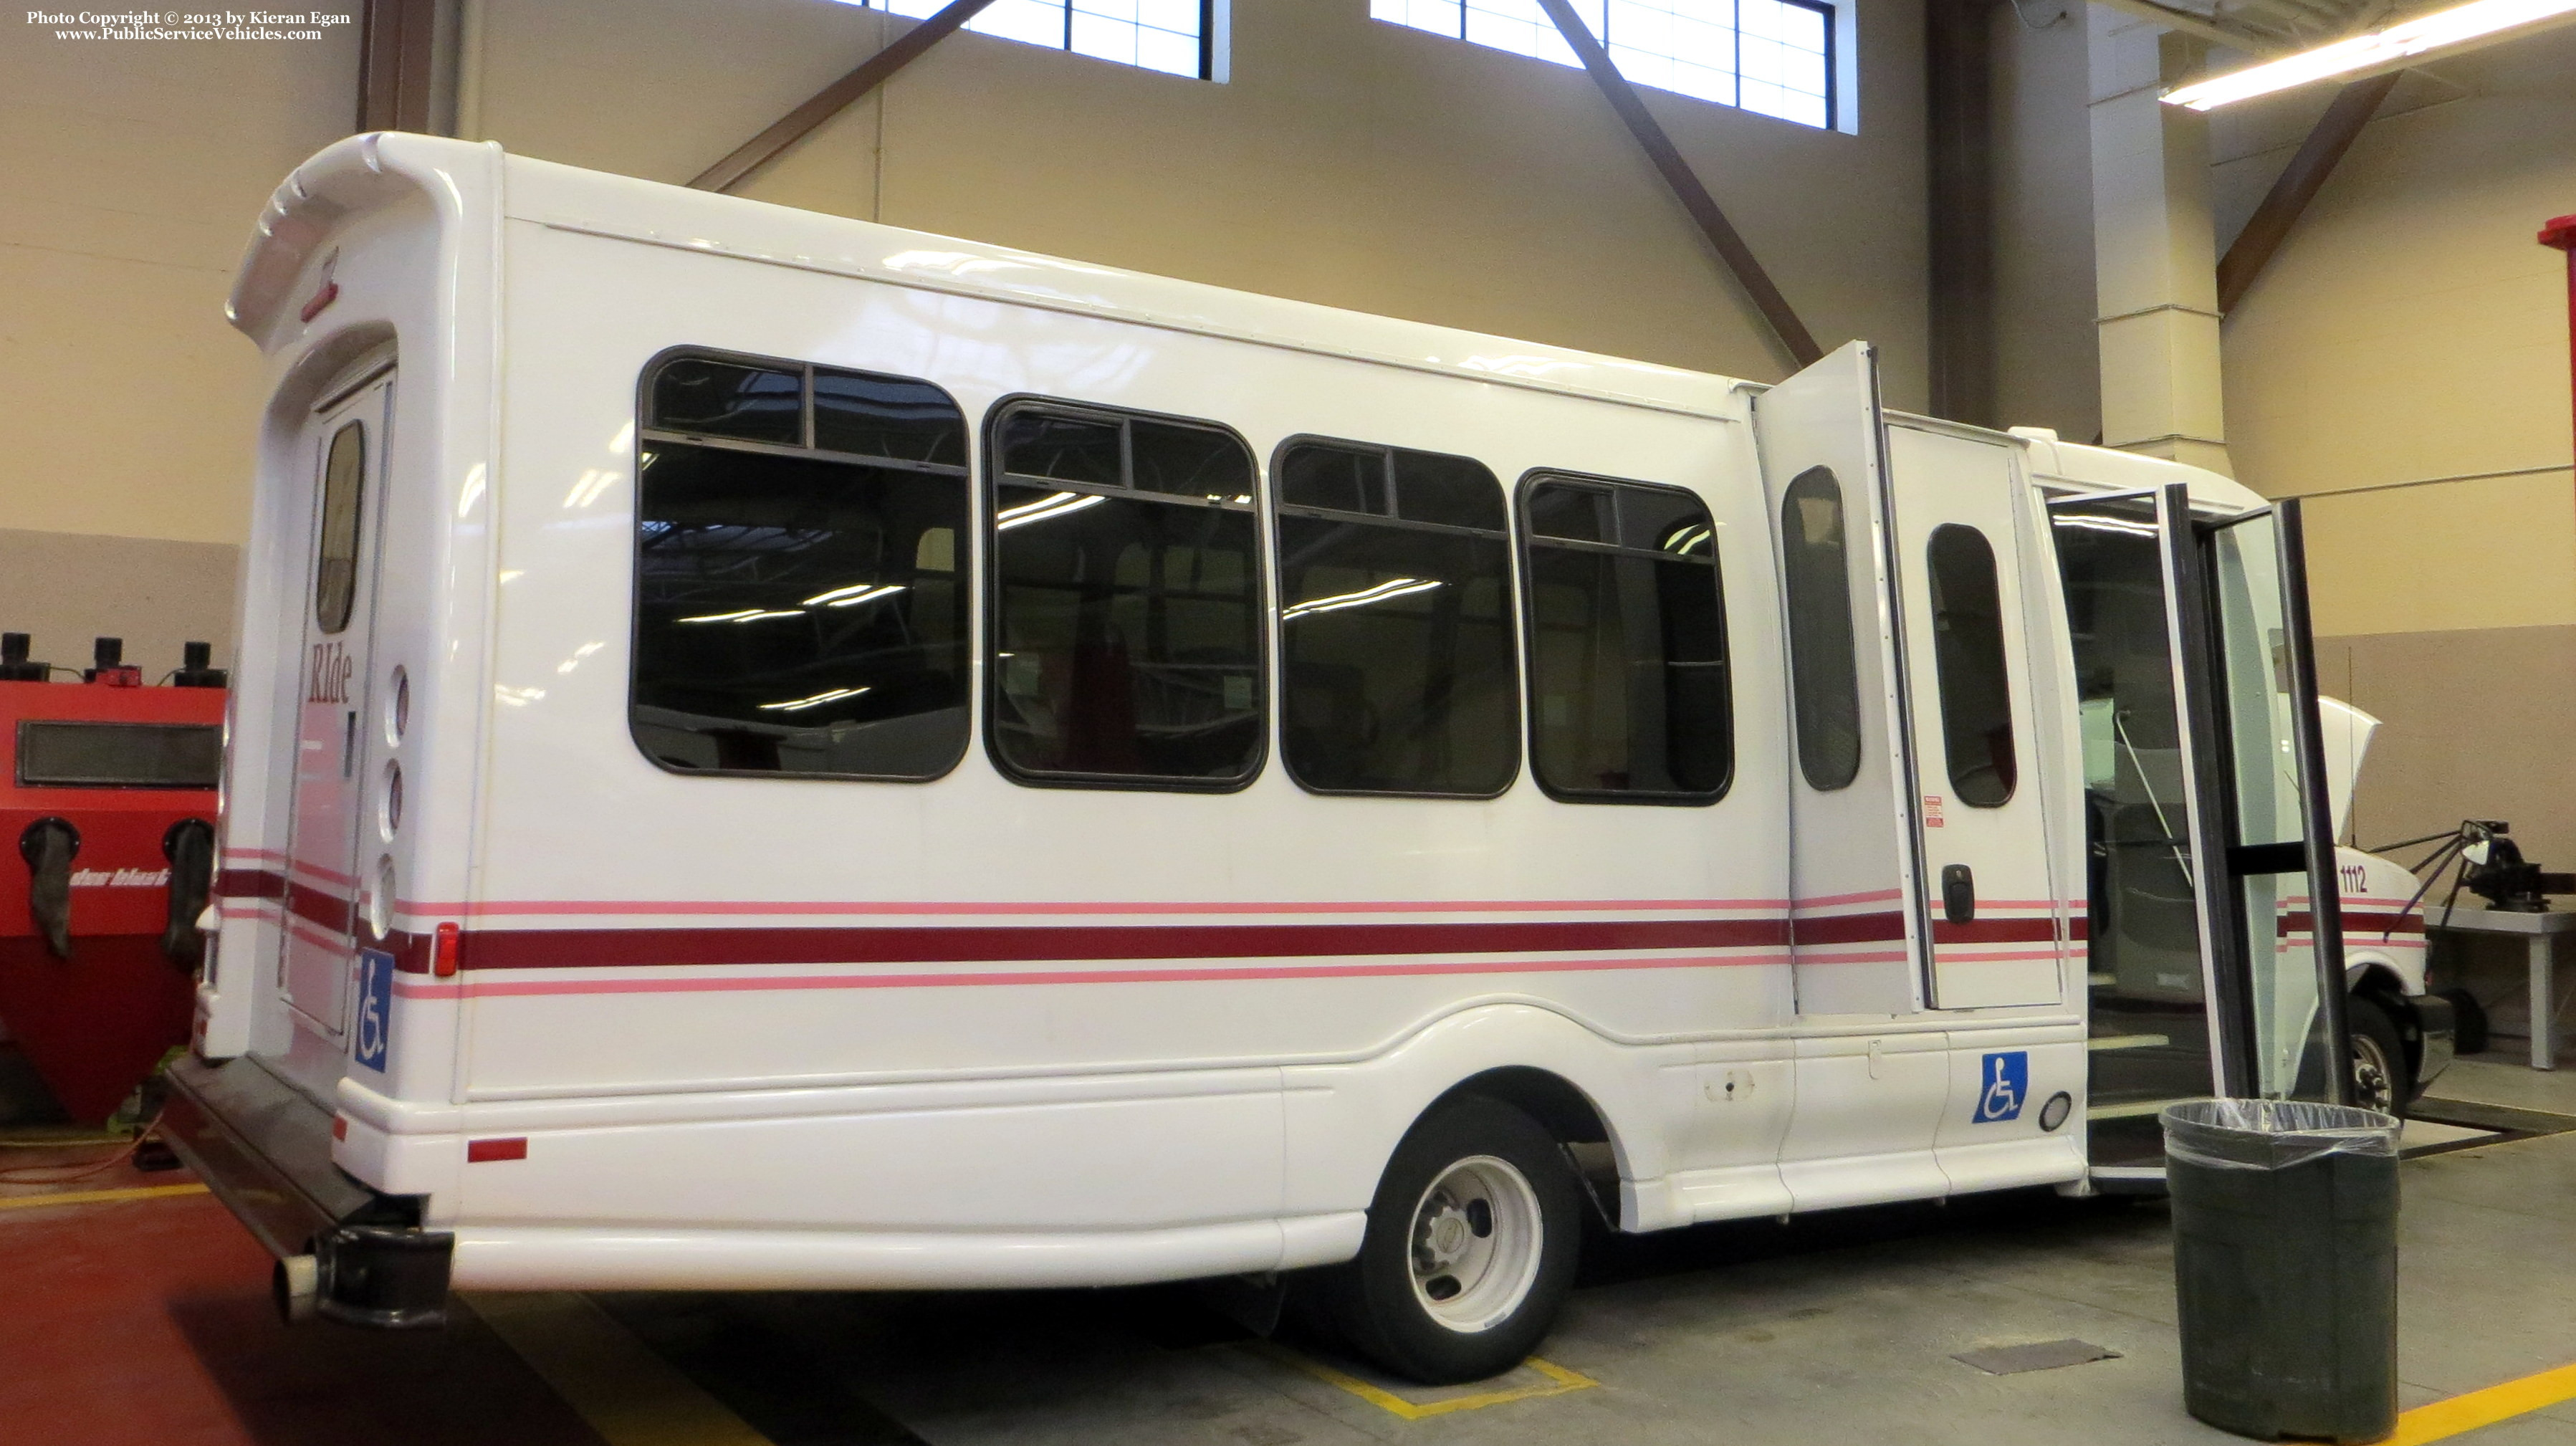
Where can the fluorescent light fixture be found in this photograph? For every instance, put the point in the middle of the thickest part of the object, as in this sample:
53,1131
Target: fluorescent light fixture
2379,51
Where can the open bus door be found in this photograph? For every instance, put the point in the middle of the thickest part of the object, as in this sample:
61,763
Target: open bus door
2215,940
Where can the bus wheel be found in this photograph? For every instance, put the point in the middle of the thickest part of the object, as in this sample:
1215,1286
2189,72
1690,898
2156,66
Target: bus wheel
1470,1248
2379,1074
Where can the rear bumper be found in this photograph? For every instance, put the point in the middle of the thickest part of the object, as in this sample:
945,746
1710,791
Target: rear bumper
265,1151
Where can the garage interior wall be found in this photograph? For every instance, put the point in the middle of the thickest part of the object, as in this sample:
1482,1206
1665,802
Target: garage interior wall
2407,332
2402,363
1344,161
132,172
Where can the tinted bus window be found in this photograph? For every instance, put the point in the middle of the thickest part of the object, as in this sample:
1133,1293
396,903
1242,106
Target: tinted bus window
1127,602
1824,680
801,612
1395,635
1627,643
335,567
1968,653
751,403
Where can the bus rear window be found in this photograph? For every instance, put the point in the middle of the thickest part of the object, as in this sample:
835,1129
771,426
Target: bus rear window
118,755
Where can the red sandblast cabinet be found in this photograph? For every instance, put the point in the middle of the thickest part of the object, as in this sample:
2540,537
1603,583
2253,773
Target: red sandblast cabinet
107,813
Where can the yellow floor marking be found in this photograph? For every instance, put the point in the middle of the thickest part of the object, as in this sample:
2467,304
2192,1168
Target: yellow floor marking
627,1394
1560,1380
96,1197
2444,1419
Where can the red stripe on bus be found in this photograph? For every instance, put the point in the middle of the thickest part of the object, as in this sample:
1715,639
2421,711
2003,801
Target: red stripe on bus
616,948
1995,931
1849,929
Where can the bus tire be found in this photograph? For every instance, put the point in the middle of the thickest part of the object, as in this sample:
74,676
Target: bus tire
2381,1078
1470,1249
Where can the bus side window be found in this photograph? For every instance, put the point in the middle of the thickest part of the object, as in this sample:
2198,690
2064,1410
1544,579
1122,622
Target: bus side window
1968,657
1395,622
798,599
1824,676
1627,643
1126,601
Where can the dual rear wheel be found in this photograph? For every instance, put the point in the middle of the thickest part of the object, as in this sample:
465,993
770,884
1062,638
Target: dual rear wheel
1470,1248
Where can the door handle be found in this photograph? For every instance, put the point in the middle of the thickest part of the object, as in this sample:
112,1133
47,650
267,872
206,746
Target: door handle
349,743
1958,893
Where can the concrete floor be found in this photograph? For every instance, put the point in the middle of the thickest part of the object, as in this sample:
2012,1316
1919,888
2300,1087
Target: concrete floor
145,1320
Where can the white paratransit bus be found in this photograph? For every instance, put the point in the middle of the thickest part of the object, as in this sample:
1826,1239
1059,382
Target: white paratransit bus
774,751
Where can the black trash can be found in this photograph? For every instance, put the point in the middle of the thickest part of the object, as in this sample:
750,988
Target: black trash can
2285,1266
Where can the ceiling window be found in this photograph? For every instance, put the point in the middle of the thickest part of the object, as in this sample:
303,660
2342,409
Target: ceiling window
1174,36
1771,56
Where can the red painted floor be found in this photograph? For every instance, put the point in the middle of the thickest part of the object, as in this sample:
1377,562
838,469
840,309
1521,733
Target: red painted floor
147,1323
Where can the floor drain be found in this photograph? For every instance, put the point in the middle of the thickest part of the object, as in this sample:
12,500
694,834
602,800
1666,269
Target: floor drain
2042,1356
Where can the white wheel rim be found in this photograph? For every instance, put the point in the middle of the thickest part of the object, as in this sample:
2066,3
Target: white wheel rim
1474,1247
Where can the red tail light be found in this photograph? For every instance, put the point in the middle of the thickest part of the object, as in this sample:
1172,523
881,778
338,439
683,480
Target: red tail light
446,951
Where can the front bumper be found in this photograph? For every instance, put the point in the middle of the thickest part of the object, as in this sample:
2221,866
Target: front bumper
349,1253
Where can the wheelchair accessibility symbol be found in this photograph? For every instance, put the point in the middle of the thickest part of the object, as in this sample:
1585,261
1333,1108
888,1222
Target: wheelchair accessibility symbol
2002,1081
375,1007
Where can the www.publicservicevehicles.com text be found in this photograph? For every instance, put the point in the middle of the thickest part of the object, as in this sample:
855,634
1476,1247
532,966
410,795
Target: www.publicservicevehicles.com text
190,24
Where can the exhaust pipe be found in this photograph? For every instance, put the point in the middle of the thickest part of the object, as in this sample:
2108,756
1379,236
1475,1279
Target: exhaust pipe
295,1284
387,1277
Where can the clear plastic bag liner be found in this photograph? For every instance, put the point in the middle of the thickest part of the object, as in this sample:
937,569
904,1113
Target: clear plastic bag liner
2272,1134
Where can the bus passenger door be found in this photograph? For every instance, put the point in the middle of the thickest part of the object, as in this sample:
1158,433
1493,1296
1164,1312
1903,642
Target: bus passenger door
326,903
2206,814
1872,1072
1854,880
1982,820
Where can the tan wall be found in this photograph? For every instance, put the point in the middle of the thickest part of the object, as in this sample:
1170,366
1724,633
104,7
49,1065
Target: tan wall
1346,161
2411,329
2476,726
131,172
65,589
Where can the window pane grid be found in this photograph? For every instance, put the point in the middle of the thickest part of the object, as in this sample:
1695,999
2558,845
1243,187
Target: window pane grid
1164,35
1770,56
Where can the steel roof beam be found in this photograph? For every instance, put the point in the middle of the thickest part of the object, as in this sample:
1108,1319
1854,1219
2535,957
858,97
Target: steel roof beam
1792,334
2298,184
832,99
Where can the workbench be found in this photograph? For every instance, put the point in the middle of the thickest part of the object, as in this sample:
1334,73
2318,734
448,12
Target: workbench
2541,933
